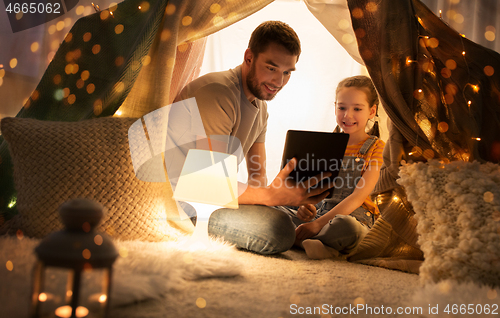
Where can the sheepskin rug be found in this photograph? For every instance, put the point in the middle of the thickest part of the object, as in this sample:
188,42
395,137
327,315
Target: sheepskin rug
449,298
457,206
144,270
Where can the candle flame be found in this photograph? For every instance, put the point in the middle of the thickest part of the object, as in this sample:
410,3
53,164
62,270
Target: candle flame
65,312
102,298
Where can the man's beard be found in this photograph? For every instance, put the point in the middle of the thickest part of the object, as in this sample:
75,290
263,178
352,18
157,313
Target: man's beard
256,88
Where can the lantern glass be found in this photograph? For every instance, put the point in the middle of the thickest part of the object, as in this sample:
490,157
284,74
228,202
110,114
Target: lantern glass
72,276
58,287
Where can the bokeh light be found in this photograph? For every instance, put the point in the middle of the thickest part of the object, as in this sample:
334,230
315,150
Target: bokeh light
60,25
214,8
187,258
87,36
170,9
201,302
57,79
492,294
68,37
90,88
428,154
347,38
42,297
52,29
119,28
357,13
359,301
80,10
96,49
443,127
34,47
433,43
344,24
165,35
489,35
144,6
451,64
13,63
85,75
98,239
187,20
488,197
97,112
86,254
371,7
489,70
71,99
104,14
445,72
119,61
182,47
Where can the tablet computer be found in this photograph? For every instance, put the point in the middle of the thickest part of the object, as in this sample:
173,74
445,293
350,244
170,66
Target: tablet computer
316,152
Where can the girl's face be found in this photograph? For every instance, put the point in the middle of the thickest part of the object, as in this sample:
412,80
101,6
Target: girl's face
352,110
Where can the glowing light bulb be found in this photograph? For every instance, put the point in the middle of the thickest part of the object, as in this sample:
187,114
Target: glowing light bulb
409,61
463,53
42,297
102,298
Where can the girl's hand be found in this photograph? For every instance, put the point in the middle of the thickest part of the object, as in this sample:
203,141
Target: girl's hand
306,212
307,230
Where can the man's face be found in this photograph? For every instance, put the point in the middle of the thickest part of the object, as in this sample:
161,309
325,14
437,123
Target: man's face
270,71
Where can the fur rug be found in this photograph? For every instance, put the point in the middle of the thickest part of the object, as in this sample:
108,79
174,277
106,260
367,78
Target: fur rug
157,280
145,270
436,299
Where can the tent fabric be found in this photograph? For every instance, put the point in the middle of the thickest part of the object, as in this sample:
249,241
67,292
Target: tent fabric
440,93
438,99
127,60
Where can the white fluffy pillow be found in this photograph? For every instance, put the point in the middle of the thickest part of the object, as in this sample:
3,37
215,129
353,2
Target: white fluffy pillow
457,206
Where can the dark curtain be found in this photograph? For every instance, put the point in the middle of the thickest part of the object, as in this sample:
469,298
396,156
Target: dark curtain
441,92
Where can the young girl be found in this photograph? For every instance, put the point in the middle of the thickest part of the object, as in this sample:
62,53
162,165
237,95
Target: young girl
338,224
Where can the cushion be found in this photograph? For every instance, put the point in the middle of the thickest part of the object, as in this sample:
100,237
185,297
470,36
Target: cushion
57,161
457,208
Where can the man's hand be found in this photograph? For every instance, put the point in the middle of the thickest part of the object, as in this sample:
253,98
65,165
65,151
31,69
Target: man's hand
307,230
285,191
306,212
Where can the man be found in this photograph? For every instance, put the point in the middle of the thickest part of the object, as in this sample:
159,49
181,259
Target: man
232,103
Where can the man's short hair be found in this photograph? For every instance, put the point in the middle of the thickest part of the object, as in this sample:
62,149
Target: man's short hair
274,32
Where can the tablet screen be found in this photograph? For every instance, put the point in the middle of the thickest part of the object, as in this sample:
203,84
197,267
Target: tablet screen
316,152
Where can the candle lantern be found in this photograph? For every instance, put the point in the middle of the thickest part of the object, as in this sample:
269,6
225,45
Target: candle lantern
72,276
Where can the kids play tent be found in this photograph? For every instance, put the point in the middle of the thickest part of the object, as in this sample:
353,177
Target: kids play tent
440,90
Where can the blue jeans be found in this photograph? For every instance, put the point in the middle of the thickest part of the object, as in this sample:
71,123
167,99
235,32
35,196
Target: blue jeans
257,228
343,232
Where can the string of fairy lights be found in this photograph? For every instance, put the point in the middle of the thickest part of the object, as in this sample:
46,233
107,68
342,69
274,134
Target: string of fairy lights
447,93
